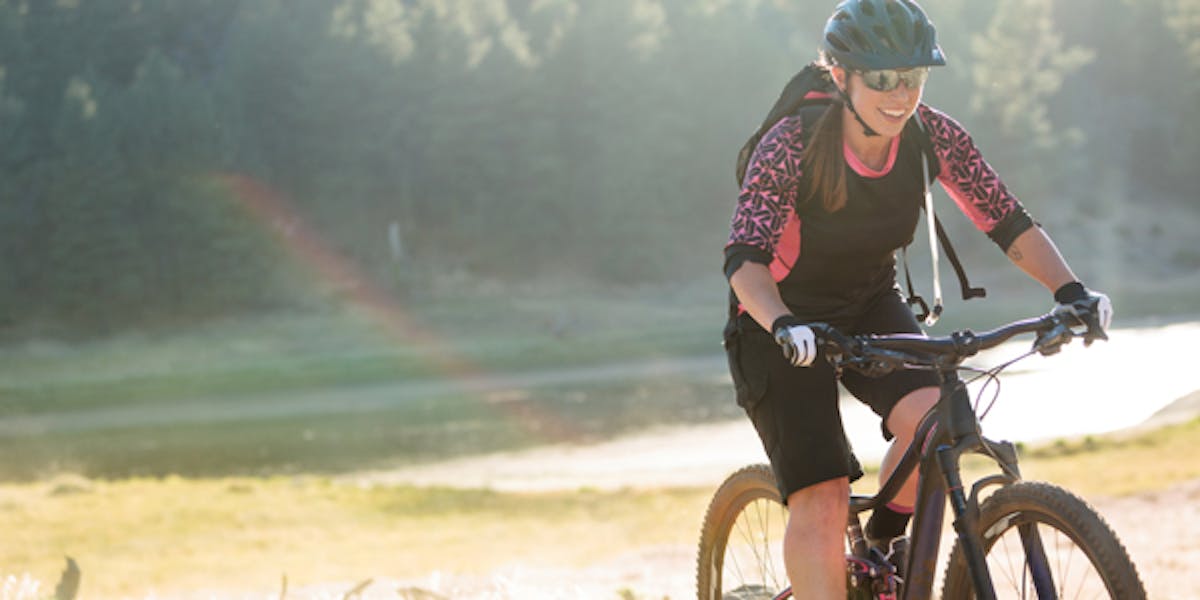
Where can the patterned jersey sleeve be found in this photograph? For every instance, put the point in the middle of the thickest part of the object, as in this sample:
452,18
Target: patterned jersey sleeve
767,197
972,183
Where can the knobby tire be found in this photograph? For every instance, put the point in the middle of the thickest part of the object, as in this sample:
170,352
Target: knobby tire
1085,556
747,500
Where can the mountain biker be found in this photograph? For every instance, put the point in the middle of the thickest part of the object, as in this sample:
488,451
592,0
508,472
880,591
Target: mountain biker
829,195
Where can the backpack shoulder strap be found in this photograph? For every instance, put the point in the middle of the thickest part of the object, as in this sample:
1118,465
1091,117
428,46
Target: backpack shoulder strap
794,96
921,137
964,283
916,133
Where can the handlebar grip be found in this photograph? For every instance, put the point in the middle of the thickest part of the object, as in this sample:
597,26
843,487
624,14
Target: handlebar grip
830,336
1080,314
1051,341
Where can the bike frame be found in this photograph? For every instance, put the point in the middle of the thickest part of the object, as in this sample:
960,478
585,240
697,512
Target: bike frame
946,433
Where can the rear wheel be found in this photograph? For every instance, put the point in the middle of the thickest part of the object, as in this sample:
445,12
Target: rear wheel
741,543
1082,556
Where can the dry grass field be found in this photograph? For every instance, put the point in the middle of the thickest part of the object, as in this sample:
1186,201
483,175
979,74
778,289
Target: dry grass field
242,537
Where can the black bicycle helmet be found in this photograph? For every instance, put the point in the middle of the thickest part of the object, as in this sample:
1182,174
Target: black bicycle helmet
866,35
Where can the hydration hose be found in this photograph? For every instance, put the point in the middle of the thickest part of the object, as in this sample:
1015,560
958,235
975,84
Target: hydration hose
936,313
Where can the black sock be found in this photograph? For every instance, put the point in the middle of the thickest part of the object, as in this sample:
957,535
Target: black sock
887,522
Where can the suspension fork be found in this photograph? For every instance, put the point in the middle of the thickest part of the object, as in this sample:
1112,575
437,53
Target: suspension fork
941,481
962,430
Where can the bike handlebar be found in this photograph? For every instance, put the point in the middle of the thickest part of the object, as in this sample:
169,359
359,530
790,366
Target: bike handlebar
877,355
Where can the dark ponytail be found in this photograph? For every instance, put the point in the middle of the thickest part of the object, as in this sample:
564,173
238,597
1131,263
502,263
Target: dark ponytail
824,165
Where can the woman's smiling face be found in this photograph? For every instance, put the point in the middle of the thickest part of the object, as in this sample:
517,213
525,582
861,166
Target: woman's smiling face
885,112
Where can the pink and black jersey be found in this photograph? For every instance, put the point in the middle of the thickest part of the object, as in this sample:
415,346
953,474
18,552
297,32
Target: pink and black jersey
832,266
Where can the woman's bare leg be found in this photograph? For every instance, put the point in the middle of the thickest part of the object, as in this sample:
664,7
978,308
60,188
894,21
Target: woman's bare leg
813,547
903,422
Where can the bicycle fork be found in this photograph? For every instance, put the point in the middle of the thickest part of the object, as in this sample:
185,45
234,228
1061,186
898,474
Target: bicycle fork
961,427
957,432
966,521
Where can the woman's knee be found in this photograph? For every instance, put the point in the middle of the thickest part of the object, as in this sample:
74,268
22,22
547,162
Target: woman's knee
821,501
817,519
908,412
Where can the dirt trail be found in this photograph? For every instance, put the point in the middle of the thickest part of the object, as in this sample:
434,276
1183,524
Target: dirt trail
1161,530
699,455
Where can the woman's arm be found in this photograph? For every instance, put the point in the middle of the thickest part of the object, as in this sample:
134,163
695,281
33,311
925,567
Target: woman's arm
1035,253
759,294
977,189
764,207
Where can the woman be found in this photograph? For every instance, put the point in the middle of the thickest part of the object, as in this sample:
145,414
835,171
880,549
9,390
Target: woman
829,196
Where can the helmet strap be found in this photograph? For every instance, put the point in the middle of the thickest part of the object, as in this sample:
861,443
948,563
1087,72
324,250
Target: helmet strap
846,99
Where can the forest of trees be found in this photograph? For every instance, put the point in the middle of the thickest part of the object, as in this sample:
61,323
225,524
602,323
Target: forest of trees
501,138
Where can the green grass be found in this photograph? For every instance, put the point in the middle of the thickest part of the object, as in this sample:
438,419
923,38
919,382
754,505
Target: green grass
446,337
347,370
418,429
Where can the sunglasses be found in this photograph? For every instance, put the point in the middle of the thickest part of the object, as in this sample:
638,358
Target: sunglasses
886,80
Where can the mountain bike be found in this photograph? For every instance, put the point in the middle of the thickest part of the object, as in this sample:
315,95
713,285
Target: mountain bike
1014,538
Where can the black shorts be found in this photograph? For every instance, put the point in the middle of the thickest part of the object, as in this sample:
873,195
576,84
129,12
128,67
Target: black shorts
795,409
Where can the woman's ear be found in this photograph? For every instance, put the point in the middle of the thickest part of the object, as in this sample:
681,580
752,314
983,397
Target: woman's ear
839,77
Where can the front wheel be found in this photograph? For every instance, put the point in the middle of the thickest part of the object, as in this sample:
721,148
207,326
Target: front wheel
741,541
1042,541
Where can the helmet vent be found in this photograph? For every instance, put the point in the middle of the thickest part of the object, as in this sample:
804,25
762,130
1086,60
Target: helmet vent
857,37
868,9
885,39
837,43
899,19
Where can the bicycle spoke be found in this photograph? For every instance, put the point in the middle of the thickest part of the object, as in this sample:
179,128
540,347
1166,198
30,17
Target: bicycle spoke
749,561
1010,569
768,564
752,540
1036,558
761,551
1066,572
732,556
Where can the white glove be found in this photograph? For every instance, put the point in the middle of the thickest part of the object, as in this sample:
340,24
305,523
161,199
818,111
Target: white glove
1104,309
798,341
1075,300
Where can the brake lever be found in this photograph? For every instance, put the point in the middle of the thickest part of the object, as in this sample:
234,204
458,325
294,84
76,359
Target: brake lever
1089,320
1094,330
834,341
838,349
1052,340
873,367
